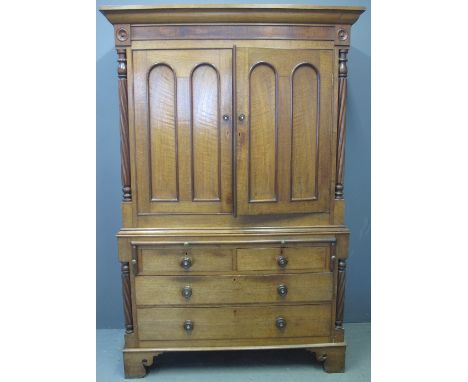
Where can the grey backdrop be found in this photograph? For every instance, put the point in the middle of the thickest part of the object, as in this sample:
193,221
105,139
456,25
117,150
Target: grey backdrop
109,312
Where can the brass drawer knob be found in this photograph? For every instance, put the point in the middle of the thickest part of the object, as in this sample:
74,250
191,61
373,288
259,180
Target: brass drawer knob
282,290
242,117
188,325
280,323
226,117
187,292
186,263
282,261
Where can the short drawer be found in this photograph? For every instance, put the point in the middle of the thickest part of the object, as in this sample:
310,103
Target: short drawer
236,289
310,258
233,322
161,261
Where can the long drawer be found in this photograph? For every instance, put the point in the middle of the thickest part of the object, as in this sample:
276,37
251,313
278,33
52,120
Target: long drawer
233,322
237,289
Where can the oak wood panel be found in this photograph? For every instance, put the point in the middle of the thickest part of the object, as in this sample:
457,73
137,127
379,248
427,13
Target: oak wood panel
310,259
305,111
203,187
233,322
206,135
162,104
161,261
310,119
263,133
232,32
227,44
233,289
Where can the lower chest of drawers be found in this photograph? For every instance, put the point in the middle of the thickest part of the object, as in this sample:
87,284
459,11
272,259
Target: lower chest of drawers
218,293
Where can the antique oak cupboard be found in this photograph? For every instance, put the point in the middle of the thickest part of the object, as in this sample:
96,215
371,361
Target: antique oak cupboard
232,124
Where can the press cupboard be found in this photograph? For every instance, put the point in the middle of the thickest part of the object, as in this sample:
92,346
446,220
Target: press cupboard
232,126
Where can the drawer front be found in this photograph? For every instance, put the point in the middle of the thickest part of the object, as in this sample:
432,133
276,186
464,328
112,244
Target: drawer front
161,261
312,259
233,322
173,290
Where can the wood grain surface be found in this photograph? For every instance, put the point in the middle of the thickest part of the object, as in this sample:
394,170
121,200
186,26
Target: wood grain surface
233,322
233,289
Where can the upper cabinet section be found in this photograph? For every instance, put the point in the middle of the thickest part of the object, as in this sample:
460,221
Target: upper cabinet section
234,110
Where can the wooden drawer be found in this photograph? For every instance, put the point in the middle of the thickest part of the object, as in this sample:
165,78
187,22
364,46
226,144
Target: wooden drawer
233,322
165,261
167,290
311,258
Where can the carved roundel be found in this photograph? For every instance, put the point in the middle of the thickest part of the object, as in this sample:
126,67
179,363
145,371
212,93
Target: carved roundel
342,35
122,34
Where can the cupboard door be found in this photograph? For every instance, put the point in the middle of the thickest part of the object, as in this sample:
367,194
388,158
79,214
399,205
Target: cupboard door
284,127
184,145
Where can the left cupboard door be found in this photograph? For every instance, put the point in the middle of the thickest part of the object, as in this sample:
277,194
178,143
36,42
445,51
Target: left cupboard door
183,130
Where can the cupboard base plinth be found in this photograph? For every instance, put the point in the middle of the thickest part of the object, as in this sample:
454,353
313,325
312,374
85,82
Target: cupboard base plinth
137,361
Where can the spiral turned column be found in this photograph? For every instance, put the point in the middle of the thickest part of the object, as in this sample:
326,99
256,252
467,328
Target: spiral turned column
124,138
342,88
340,293
127,297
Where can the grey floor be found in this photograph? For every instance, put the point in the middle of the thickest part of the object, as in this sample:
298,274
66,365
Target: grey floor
258,366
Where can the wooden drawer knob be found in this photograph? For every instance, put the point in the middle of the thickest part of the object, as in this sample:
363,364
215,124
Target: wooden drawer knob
186,263
187,292
282,261
188,325
280,323
282,290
